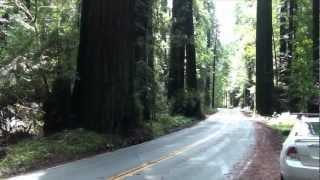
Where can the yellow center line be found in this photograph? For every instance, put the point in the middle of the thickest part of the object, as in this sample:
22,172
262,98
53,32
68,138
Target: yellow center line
144,166
149,164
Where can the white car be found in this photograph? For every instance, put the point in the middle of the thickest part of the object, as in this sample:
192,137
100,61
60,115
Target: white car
299,159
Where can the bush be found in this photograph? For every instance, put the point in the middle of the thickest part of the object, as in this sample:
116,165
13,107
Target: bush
33,153
145,89
165,123
187,104
22,118
284,129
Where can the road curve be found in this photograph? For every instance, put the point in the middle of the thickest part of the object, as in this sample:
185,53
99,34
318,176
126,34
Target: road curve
208,150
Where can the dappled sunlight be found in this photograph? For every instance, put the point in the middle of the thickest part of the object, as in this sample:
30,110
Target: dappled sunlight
35,176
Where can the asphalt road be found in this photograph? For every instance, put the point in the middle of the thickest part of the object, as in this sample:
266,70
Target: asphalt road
206,151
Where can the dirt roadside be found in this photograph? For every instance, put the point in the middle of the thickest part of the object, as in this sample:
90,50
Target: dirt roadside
263,162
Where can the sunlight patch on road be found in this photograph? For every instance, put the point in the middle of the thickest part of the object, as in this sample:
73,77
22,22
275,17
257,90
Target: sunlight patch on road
35,176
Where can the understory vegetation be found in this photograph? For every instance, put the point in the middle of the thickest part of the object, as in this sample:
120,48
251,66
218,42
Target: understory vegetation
38,152
165,124
284,129
35,153
71,75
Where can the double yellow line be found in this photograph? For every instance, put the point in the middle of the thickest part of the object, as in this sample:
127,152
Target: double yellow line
149,164
144,166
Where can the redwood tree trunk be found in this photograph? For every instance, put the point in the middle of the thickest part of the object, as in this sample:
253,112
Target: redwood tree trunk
103,92
177,55
264,70
316,39
314,104
191,69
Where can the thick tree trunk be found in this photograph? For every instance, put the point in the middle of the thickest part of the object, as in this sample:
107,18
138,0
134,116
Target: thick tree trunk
315,101
264,70
191,72
177,56
316,40
104,88
193,102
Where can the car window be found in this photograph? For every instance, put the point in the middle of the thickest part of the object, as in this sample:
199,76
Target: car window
314,128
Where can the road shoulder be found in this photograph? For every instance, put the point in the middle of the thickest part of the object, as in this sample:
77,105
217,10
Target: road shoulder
263,161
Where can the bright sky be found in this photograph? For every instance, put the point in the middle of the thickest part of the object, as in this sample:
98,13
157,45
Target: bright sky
226,19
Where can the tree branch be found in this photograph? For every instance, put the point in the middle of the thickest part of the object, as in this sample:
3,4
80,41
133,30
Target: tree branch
24,9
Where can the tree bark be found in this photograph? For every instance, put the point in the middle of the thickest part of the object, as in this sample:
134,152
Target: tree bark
316,40
177,56
103,95
264,70
191,69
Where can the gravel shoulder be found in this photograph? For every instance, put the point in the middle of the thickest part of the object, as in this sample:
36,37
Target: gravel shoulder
263,161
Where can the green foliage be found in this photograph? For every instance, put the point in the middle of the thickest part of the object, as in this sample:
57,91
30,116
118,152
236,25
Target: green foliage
243,65
66,145
165,123
38,45
145,91
222,78
301,87
207,41
284,129
187,104
161,31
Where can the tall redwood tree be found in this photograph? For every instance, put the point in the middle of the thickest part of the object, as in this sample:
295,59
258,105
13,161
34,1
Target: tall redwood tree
264,63
103,95
191,69
177,57
316,39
